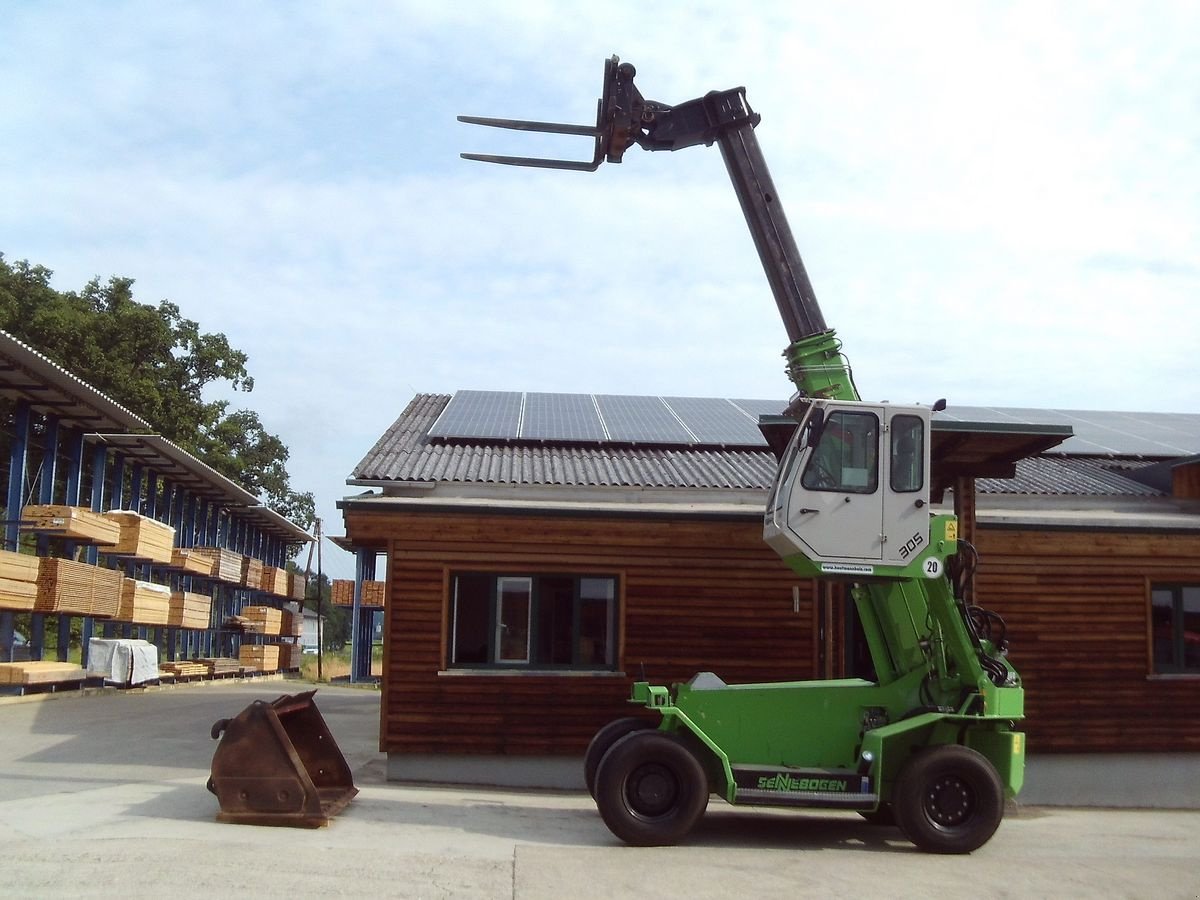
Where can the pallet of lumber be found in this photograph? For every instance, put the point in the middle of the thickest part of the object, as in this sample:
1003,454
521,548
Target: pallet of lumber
262,657
219,666
293,622
290,656
184,669
144,603
189,610
267,619
274,580
227,565
251,572
18,580
75,523
141,537
297,585
183,559
40,672
68,587
342,592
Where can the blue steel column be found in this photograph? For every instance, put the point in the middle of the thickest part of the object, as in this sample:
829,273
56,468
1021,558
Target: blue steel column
16,495
37,621
74,486
91,554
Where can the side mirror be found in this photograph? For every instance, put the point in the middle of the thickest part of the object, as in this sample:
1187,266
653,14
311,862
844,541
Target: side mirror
816,424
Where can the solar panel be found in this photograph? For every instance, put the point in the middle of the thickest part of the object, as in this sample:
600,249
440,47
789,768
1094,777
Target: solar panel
716,421
561,417
641,420
1100,432
480,414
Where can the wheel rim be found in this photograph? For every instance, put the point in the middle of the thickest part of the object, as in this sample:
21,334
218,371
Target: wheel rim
949,802
652,791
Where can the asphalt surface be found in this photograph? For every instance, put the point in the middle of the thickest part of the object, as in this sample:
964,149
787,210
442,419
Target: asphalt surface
104,795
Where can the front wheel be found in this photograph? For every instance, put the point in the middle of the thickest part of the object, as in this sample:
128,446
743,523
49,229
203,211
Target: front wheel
603,741
948,800
650,789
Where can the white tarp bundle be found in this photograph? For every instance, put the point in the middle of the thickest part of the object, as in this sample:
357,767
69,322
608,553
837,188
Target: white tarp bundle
122,661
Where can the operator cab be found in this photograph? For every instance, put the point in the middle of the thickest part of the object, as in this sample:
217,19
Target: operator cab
852,488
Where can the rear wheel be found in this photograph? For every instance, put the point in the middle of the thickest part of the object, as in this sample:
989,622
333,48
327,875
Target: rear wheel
603,741
949,800
650,789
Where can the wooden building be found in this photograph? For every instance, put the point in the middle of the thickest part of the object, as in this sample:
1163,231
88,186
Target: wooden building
531,579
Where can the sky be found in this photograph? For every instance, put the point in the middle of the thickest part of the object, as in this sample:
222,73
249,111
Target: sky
997,203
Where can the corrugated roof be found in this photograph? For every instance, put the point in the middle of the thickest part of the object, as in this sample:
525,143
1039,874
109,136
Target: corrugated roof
406,454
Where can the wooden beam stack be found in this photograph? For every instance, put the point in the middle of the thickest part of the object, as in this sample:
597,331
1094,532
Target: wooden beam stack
263,619
189,610
18,580
75,523
274,581
67,587
262,657
251,572
141,537
296,585
184,669
191,563
227,565
342,592
144,603
290,656
40,672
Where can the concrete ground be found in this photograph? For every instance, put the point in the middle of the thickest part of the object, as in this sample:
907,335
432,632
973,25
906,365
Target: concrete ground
103,795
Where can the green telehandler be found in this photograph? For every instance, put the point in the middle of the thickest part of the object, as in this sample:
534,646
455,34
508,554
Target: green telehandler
929,741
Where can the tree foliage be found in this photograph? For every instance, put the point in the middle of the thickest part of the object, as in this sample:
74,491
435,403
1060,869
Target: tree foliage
157,363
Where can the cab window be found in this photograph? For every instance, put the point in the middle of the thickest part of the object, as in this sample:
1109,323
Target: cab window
908,454
846,458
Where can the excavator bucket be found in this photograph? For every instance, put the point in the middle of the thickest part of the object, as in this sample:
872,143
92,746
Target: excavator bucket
278,764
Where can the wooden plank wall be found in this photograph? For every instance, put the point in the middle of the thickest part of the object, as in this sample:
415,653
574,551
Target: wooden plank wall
710,595
695,596
1077,609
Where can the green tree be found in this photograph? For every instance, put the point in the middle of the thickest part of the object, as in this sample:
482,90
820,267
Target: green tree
156,363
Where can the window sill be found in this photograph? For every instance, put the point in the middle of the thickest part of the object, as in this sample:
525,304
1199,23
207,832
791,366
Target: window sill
1174,676
529,673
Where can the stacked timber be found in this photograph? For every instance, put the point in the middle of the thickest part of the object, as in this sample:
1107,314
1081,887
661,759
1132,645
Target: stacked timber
220,666
297,585
189,610
191,563
251,572
144,603
343,593
18,580
293,622
67,587
142,537
74,523
263,619
226,565
290,656
274,580
40,672
184,669
261,657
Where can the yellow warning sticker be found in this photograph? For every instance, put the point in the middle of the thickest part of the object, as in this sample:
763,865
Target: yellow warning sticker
952,530
1017,744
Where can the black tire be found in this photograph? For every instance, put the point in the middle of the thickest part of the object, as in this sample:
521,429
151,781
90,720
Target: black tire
948,800
650,789
603,741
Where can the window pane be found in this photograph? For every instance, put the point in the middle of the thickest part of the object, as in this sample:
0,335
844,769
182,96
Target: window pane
1162,621
512,619
908,454
472,608
847,454
1191,628
555,607
595,621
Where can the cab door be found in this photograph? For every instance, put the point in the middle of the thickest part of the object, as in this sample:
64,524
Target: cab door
835,505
